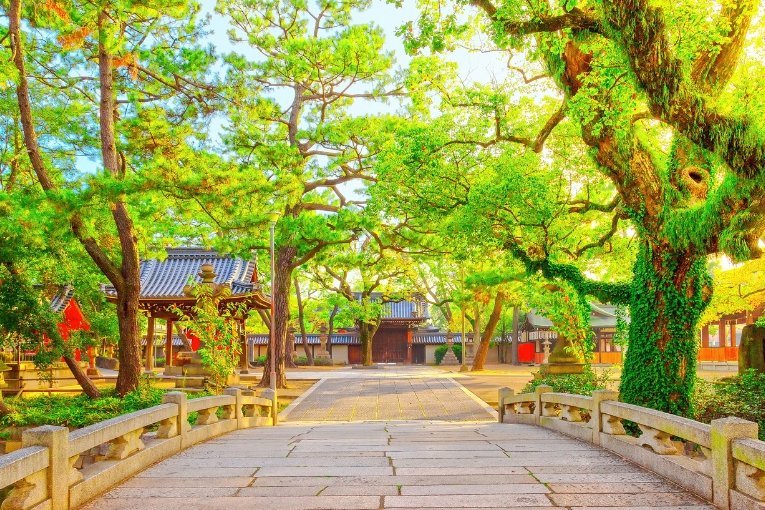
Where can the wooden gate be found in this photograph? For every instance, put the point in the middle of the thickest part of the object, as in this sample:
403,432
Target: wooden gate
354,355
389,346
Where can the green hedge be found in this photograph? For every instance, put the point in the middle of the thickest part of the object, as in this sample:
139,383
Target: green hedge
578,384
79,411
441,352
742,396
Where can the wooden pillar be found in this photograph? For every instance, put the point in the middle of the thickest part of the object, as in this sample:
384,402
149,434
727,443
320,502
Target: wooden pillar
705,336
169,344
721,334
150,345
409,338
732,326
244,358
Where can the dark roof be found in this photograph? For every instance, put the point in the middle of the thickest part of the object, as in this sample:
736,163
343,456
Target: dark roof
602,316
437,337
313,339
61,299
426,337
405,309
159,341
165,279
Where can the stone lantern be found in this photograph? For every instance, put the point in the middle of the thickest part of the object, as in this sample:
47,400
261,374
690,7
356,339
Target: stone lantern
450,358
323,337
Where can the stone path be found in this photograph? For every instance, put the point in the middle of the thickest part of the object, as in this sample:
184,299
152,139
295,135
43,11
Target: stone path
382,397
404,464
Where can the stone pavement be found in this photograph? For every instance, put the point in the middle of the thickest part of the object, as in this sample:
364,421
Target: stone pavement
380,396
404,464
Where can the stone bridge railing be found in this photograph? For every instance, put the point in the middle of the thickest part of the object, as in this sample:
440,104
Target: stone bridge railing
723,462
57,469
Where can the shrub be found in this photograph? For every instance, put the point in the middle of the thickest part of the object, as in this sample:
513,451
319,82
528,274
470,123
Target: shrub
80,411
323,362
578,384
742,396
259,361
441,352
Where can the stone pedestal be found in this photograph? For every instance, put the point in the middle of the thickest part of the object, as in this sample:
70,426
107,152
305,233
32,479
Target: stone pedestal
562,360
751,352
449,359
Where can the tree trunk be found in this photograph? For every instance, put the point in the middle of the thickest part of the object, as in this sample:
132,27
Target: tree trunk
516,336
367,331
281,303
289,351
301,323
488,332
672,288
85,383
129,352
129,292
331,327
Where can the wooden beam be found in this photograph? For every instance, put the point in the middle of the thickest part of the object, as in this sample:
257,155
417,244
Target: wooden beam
169,344
150,345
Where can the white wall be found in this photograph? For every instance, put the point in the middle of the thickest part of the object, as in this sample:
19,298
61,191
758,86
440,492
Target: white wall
340,354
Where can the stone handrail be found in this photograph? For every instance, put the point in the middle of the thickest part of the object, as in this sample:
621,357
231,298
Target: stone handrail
56,469
722,462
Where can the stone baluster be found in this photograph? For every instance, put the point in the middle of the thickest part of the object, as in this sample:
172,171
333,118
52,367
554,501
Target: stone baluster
126,445
570,413
657,440
207,416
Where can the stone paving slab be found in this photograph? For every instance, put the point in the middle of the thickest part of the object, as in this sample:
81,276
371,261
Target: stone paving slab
377,397
479,466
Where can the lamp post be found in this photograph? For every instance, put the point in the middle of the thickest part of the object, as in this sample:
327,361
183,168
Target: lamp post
273,218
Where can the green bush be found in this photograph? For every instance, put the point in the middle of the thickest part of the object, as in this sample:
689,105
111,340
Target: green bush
259,361
742,396
578,384
323,362
79,411
441,352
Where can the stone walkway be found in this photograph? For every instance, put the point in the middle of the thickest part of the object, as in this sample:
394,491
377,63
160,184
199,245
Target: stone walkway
389,398
406,464
469,461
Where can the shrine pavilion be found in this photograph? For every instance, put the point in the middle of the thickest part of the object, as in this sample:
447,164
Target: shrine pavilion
165,289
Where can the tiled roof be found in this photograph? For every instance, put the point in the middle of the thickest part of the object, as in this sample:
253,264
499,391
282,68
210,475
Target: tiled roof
61,299
159,341
437,337
419,337
313,339
167,278
602,316
400,310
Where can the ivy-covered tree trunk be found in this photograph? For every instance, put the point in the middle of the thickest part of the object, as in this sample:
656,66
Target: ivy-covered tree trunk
367,331
671,288
282,277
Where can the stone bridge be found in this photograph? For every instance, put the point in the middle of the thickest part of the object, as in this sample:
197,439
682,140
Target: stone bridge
390,439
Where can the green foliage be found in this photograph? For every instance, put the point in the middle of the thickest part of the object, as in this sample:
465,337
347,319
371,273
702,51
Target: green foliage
302,361
577,384
742,396
215,325
80,411
441,352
